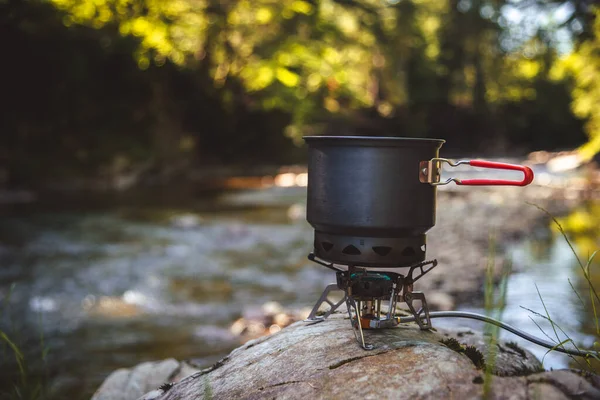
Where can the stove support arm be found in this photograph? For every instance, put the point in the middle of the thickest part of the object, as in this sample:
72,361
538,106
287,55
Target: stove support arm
312,317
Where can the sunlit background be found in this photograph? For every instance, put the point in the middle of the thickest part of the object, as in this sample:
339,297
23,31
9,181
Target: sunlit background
152,167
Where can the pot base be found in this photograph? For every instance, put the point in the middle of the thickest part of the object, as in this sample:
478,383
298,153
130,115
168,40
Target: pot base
370,251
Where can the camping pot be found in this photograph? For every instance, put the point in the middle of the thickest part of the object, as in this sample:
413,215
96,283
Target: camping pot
372,199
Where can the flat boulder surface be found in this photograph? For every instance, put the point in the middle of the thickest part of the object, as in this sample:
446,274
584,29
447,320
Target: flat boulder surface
323,361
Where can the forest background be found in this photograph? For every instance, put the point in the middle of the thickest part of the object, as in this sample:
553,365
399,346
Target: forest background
99,88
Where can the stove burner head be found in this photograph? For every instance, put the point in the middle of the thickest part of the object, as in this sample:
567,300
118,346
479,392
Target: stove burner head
370,285
366,291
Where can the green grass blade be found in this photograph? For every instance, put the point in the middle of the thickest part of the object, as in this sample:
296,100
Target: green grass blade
552,324
542,330
585,268
18,356
7,299
589,262
560,228
576,293
549,320
560,345
593,301
594,296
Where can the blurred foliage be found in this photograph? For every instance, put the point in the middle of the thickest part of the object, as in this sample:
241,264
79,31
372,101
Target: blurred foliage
584,65
121,84
580,230
583,225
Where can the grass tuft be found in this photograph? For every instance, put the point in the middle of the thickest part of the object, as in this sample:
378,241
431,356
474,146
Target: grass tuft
25,388
495,302
594,299
585,268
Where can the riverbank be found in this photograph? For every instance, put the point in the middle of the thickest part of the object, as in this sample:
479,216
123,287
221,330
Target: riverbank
466,219
476,223
323,360
473,224
122,279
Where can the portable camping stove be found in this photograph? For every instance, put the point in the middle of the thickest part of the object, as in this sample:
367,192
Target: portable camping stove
371,201
366,290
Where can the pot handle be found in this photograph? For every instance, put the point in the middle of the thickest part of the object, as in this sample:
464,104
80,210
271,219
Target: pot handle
429,172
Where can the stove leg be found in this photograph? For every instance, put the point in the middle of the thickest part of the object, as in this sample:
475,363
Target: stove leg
312,317
422,315
355,321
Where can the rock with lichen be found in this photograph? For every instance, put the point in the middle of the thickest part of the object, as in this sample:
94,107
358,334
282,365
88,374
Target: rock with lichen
323,361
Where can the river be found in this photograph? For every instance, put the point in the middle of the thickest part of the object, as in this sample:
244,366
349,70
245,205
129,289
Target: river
89,286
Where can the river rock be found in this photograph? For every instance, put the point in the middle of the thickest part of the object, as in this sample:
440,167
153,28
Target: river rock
323,360
131,383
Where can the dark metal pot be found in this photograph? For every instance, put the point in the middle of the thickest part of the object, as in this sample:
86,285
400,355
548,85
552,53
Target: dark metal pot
372,199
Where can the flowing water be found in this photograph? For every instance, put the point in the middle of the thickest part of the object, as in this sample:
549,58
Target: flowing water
86,290
546,281
118,285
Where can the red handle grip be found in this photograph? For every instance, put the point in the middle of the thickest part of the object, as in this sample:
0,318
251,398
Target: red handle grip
527,172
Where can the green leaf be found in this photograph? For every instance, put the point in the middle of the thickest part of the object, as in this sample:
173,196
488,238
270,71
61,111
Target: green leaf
287,77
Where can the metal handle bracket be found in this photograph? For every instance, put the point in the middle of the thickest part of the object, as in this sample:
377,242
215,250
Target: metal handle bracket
430,172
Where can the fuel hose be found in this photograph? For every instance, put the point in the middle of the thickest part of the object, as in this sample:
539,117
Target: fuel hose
512,329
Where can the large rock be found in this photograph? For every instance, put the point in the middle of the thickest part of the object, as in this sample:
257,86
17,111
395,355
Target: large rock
323,360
